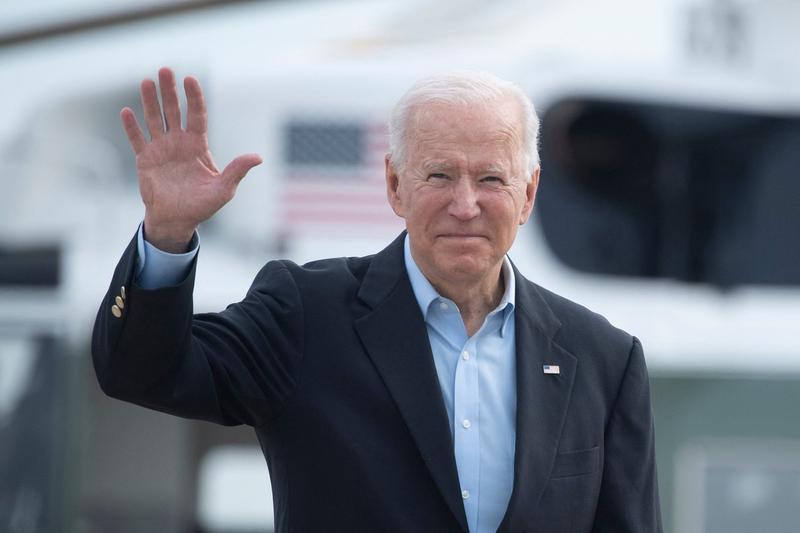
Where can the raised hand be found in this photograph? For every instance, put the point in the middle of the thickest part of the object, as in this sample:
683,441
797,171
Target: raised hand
178,180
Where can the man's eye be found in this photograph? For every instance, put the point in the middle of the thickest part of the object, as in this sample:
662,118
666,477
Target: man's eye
437,176
492,180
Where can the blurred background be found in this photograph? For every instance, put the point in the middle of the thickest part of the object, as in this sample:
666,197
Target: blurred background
669,202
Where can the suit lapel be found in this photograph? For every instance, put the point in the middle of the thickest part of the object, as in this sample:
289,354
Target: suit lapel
396,339
542,401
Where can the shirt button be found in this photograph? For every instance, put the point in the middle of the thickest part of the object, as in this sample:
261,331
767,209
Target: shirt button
466,423
443,306
465,494
465,355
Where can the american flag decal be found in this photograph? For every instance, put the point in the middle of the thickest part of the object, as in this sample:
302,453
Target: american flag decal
551,369
333,181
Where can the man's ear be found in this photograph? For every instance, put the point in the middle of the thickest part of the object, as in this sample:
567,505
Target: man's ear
530,195
393,187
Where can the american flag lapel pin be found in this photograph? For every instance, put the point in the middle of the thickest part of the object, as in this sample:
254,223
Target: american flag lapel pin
551,369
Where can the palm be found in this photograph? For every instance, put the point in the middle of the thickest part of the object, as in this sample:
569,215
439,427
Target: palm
178,180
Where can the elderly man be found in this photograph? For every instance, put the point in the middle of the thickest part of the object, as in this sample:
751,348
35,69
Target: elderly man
430,387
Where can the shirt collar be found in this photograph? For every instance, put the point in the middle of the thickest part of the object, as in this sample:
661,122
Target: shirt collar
426,294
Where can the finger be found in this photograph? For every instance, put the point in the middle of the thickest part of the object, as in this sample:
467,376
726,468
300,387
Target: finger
239,167
196,116
169,98
132,130
152,110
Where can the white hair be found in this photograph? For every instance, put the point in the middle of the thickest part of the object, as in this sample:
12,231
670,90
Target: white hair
462,88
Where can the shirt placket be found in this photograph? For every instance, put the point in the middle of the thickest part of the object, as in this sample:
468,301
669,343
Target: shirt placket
466,434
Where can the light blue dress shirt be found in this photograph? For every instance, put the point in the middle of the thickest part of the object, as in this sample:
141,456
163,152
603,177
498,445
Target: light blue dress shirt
477,376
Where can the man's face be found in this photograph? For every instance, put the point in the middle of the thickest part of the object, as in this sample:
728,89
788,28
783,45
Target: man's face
463,190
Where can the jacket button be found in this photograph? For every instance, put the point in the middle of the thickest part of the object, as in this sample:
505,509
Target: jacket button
120,302
115,311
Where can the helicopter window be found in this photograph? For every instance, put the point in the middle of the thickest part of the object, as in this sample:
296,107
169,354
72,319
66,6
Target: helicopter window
648,190
30,266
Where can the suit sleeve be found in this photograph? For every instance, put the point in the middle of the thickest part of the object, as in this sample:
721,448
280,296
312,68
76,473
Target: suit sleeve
629,500
234,367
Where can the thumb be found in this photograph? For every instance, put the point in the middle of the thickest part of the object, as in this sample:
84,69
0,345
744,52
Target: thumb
239,167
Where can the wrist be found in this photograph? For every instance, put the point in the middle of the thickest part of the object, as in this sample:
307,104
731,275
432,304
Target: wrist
170,239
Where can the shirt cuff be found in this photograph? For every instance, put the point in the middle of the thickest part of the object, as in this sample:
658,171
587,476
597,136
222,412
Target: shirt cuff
157,269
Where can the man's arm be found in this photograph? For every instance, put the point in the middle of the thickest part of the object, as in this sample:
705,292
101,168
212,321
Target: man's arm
231,367
629,494
234,367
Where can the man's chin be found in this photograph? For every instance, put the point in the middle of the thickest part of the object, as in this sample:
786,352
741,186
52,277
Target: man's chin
464,267
462,247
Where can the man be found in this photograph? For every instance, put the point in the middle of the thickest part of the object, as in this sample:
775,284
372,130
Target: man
429,387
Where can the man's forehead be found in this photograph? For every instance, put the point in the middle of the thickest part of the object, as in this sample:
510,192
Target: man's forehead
464,123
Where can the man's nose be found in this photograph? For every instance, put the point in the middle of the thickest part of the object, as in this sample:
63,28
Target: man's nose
464,203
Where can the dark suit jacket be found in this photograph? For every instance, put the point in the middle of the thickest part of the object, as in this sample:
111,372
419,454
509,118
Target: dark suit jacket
330,362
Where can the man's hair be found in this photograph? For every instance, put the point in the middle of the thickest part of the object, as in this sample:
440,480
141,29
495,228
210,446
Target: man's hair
462,88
